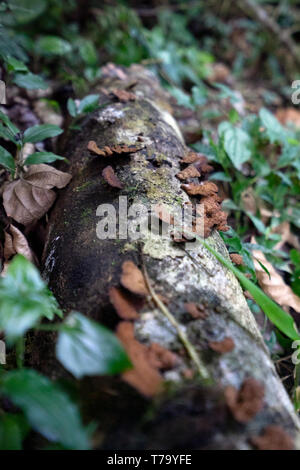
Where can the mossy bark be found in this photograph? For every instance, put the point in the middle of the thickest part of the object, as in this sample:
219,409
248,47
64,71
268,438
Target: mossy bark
80,269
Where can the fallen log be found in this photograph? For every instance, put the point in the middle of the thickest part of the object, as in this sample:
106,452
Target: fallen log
237,401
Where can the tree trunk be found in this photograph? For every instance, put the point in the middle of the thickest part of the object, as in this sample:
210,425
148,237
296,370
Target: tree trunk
80,269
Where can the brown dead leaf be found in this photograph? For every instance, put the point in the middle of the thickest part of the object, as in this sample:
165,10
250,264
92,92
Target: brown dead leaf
15,243
111,178
133,279
249,201
144,377
245,403
287,236
288,116
161,211
275,286
273,438
29,198
113,71
222,347
123,304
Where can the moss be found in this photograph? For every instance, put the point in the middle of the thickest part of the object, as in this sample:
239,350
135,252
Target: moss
83,186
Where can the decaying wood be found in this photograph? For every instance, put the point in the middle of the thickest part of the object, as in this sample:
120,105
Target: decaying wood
81,270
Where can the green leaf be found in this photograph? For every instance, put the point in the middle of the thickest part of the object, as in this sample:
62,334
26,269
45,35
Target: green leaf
30,81
182,98
10,126
15,65
274,129
41,132
72,108
6,159
88,104
13,429
220,176
53,45
237,144
6,134
86,348
24,299
276,314
88,52
23,11
48,408
42,157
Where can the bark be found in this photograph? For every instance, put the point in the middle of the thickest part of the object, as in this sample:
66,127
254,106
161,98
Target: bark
80,268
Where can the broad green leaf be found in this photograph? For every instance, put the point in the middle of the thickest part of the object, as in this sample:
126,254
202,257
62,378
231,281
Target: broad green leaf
10,126
72,108
237,144
30,81
6,134
182,98
86,348
53,45
275,131
23,11
276,314
88,104
15,65
13,429
42,157
41,132
88,52
6,159
48,408
220,176
24,299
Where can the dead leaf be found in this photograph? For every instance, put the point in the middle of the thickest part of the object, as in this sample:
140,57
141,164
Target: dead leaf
133,279
273,438
29,198
123,304
161,211
144,377
15,243
275,286
113,71
287,236
245,403
111,178
288,116
222,347
249,201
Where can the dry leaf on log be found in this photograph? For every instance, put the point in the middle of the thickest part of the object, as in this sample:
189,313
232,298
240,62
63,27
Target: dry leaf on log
245,403
15,243
29,198
274,286
123,304
273,438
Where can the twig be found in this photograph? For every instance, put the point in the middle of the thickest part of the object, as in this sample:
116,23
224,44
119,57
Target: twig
203,372
267,21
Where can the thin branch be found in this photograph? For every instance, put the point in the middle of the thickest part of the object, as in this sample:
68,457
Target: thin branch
203,372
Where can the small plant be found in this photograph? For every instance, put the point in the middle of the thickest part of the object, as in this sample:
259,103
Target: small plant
83,347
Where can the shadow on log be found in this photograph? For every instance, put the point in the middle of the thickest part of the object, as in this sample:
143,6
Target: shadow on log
245,396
